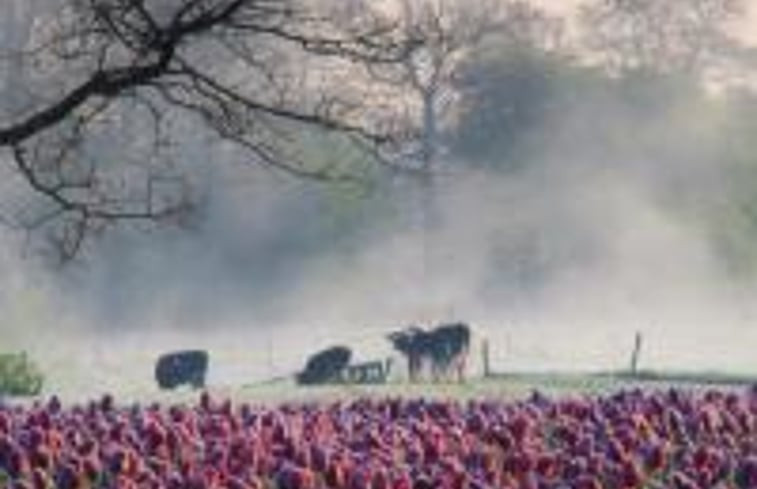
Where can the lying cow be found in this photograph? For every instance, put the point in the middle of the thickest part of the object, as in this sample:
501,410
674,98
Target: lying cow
375,372
325,366
182,367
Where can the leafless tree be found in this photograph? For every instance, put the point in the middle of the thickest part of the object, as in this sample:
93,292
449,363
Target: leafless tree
448,32
108,96
689,36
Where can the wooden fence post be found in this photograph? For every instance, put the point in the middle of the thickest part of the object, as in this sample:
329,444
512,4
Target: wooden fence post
485,358
636,353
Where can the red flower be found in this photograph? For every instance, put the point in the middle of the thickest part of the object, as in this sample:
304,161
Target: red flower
588,482
656,458
631,476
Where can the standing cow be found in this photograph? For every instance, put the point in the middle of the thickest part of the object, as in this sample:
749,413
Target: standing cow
182,367
449,345
445,348
412,343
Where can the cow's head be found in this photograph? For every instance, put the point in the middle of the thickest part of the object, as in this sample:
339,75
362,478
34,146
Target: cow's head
409,341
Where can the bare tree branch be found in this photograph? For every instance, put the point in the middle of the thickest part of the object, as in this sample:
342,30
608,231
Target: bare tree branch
687,36
102,63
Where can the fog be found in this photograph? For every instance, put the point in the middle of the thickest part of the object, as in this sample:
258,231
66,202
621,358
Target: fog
557,264
558,267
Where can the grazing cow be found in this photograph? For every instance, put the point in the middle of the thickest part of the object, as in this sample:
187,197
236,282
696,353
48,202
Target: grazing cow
182,367
412,342
325,366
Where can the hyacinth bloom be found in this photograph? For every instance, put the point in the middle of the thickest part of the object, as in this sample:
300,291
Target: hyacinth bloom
630,440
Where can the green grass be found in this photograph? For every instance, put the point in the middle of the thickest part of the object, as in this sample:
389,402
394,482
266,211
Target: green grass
133,385
505,386
687,378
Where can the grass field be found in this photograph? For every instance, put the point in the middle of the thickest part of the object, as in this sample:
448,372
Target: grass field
504,387
130,378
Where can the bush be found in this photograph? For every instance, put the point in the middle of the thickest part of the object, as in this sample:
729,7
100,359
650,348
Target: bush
19,376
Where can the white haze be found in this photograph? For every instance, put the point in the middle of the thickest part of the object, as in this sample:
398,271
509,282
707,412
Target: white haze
615,261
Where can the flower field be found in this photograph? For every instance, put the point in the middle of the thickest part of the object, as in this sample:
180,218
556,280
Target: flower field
632,439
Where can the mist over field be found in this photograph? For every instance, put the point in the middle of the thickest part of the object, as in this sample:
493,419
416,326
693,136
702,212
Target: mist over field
573,209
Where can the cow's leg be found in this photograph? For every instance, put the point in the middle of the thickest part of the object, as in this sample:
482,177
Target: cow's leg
461,363
444,368
198,381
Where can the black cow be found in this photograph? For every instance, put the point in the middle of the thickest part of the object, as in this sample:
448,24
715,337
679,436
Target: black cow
444,347
374,372
412,342
325,366
449,344
182,367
